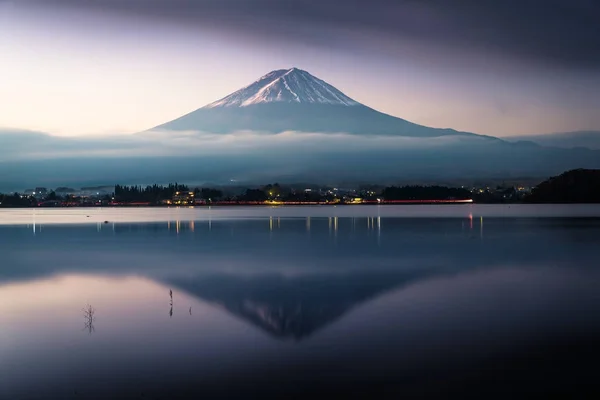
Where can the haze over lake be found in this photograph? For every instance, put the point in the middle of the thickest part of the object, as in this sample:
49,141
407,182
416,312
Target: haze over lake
363,301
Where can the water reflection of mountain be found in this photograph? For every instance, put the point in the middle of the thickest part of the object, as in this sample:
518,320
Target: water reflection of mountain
295,307
337,264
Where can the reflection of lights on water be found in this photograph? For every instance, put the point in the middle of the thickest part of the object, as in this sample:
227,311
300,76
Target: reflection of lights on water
270,223
192,225
471,221
481,227
371,223
308,223
335,227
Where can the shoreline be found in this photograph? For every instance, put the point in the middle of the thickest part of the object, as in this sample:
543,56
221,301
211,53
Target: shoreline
289,204
250,203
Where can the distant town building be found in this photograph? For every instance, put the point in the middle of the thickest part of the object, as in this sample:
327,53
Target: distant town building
183,199
39,192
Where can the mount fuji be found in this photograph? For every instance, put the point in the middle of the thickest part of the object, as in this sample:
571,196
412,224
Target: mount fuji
288,126
294,100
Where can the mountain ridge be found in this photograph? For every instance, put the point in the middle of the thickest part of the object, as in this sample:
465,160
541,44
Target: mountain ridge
586,139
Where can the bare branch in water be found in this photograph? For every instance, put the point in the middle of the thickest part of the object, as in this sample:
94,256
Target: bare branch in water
89,316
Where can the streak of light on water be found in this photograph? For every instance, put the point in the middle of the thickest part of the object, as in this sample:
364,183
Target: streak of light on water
39,216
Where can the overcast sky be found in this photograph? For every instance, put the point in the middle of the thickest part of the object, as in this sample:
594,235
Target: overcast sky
73,67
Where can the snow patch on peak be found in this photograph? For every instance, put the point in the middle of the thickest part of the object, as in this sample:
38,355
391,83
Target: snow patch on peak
285,85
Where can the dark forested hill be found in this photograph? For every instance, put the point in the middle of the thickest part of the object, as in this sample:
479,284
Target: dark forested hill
576,186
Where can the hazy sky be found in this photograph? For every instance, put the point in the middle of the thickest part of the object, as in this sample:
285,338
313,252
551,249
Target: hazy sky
73,67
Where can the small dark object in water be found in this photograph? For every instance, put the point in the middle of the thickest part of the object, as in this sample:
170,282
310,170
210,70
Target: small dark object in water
106,222
87,216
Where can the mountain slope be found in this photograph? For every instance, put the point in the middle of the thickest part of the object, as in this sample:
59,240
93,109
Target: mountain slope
589,139
295,100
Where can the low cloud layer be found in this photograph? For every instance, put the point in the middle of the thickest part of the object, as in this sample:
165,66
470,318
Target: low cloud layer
30,159
20,146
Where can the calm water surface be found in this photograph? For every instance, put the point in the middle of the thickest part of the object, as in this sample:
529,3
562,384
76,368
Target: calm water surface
365,302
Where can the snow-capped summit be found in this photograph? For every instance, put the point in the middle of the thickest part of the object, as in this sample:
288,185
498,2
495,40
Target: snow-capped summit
287,86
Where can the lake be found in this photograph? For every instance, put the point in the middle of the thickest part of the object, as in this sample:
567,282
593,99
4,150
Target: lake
293,302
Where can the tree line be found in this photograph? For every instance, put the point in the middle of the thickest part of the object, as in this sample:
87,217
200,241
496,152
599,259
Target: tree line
576,186
156,194
16,200
151,194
